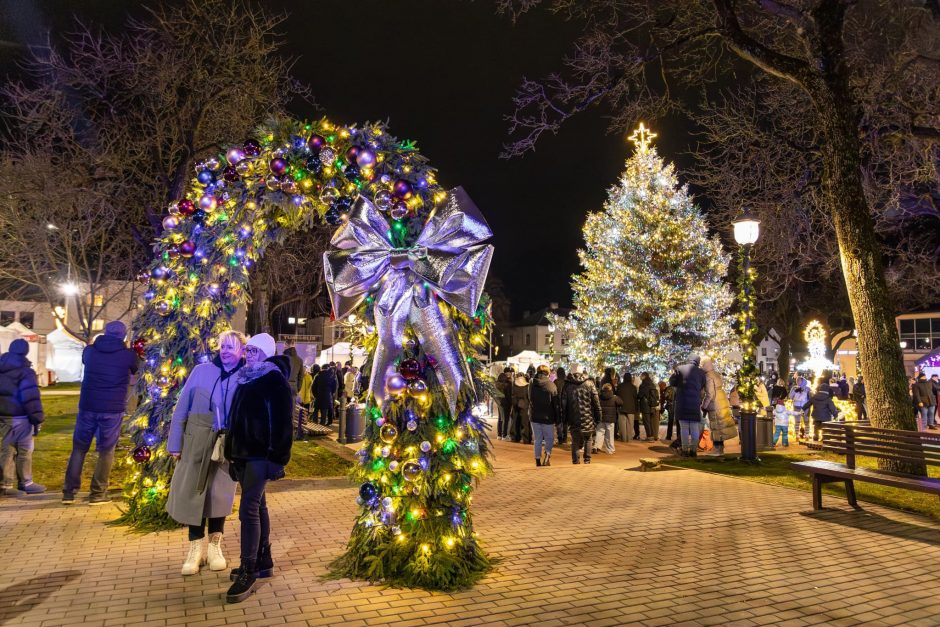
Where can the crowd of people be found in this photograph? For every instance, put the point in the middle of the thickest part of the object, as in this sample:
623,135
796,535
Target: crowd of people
543,408
321,389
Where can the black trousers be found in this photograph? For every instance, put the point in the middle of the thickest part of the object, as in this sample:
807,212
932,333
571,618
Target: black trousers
253,509
581,442
198,532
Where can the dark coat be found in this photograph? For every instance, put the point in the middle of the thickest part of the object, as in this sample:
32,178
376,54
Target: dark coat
296,376
520,392
647,396
261,419
324,387
19,392
581,405
543,400
823,409
610,406
108,369
689,394
922,392
504,385
778,391
627,393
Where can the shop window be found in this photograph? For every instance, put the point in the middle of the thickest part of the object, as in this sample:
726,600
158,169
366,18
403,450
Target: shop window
7,317
27,319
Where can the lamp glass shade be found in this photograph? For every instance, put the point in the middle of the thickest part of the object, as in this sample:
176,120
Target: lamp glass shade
746,229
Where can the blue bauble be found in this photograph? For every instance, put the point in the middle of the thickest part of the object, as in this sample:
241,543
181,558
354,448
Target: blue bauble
313,164
333,217
368,492
199,216
206,177
352,171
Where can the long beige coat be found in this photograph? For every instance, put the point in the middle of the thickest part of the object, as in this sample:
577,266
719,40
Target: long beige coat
200,488
716,404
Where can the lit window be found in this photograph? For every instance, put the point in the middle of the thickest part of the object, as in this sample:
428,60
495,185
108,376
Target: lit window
27,318
97,324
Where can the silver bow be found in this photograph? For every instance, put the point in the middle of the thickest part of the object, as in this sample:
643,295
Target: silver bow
447,262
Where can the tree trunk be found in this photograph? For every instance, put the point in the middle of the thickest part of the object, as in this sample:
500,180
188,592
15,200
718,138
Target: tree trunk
889,405
783,357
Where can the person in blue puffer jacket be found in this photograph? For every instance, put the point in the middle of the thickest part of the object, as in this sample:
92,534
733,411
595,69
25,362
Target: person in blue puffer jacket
20,416
109,365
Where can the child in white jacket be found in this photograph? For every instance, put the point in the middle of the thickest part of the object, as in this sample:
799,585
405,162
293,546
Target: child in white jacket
782,422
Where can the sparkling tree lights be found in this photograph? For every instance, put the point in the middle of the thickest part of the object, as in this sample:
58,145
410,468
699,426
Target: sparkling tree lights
652,287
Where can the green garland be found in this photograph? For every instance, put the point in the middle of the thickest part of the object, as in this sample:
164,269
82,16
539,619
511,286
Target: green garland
748,374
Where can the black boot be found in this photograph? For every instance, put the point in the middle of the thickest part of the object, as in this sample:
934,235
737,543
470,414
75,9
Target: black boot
538,462
264,567
244,583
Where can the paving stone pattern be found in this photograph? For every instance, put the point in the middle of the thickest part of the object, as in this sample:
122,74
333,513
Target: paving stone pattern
579,545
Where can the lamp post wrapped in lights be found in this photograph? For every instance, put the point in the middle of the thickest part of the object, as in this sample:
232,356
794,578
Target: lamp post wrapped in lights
746,232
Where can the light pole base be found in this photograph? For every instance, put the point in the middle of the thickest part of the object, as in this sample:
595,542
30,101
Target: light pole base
748,426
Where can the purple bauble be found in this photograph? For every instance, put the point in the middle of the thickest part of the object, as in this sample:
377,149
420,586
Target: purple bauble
141,454
188,248
252,149
398,211
170,223
395,384
159,272
365,158
410,369
351,153
402,189
230,174
278,166
316,142
417,387
186,207
234,155
208,203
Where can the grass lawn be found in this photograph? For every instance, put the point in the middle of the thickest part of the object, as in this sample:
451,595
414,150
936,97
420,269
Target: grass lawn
775,469
54,444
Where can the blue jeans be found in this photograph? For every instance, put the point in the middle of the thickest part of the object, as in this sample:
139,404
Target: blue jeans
689,433
927,414
780,430
105,429
543,432
16,454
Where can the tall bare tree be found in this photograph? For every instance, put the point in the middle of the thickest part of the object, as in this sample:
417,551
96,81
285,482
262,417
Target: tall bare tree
866,69
113,123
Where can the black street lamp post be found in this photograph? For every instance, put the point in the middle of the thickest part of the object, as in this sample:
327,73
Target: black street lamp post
746,232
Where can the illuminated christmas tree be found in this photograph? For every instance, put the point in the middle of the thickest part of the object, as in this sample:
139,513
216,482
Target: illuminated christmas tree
652,287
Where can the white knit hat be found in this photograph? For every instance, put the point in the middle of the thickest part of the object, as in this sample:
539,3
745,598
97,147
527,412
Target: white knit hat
265,343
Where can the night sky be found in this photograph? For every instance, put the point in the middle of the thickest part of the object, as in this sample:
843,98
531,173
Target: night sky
441,72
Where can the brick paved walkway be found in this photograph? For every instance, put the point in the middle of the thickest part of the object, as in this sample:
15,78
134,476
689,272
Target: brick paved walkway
595,545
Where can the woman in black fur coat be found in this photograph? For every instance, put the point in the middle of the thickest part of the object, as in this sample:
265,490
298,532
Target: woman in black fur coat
258,447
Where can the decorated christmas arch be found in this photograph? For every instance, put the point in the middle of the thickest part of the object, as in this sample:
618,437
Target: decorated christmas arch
405,268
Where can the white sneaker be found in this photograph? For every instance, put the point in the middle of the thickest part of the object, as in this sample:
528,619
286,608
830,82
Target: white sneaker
195,558
216,559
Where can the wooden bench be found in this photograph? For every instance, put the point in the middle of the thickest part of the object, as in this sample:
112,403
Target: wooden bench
852,439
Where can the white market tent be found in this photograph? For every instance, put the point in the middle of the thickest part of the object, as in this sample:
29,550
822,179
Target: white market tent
343,352
524,359
65,357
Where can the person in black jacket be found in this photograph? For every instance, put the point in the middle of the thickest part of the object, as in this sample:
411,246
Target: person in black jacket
562,426
258,447
610,409
581,408
504,403
628,409
675,382
648,399
521,429
324,388
20,416
823,409
543,410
